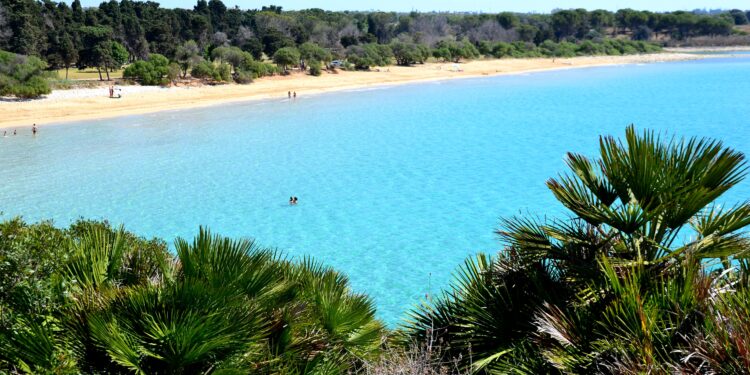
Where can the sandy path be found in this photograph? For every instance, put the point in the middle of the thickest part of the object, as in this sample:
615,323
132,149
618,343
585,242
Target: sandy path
85,104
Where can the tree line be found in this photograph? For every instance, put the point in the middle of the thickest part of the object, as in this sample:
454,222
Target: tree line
129,30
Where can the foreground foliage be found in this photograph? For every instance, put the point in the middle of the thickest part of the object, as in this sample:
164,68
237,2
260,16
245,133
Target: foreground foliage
649,274
93,299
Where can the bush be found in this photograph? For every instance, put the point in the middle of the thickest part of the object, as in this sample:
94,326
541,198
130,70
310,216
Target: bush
202,70
259,69
502,49
456,51
562,49
155,71
173,72
208,72
243,77
525,49
409,53
600,291
590,48
92,299
442,53
22,76
223,73
364,56
316,68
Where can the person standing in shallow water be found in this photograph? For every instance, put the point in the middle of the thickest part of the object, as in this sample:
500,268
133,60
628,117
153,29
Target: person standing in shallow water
33,129
295,95
289,94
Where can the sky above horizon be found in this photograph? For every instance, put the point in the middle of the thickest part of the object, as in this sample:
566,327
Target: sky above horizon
542,6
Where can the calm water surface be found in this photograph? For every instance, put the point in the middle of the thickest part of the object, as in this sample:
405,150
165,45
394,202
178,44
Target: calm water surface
396,185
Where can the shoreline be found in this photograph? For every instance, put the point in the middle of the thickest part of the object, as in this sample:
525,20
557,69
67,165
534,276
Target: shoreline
65,106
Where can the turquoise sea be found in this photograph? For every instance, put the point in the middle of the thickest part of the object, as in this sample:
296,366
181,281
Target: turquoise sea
397,185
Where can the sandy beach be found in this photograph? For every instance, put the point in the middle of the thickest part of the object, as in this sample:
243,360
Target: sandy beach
85,104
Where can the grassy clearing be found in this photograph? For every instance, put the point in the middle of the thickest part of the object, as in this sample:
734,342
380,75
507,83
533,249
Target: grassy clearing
87,74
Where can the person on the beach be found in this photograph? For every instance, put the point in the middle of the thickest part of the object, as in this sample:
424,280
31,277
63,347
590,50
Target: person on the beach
33,129
111,91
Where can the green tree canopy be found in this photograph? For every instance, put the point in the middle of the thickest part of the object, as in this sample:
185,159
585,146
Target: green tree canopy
409,53
151,72
364,56
286,57
311,52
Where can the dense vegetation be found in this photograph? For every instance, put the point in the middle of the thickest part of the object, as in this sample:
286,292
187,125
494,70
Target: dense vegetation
93,299
125,32
648,275
22,76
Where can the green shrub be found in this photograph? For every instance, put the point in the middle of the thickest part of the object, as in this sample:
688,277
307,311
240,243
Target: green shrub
316,68
364,56
409,53
153,72
525,49
243,77
210,72
223,73
100,300
502,49
457,50
173,72
23,76
442,53
203,70
259,68
603,290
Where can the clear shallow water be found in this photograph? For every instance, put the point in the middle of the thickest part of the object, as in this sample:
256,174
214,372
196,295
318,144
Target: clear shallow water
396,185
